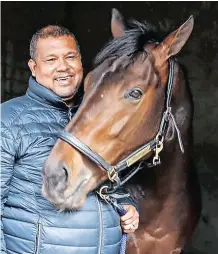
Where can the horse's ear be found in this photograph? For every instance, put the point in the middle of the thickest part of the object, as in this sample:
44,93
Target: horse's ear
117,24
174,42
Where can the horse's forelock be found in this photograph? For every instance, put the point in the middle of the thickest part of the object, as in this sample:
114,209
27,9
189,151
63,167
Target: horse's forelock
132,42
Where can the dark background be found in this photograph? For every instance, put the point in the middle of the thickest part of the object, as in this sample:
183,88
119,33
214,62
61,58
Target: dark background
90,22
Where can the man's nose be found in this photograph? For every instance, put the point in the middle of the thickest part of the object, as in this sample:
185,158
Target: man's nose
63,65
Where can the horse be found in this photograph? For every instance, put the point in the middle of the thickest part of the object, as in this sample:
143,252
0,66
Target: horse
136,114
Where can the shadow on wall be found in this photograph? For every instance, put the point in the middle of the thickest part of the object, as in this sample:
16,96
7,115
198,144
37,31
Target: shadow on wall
204,240
15,74
203,83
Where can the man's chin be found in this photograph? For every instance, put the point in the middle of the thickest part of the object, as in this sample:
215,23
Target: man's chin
66,93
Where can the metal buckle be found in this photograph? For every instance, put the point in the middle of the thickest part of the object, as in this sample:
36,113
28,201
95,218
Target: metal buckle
167,114
158,149
104,196
112,174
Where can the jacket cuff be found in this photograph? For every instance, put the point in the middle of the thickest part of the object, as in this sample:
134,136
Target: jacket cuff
127,200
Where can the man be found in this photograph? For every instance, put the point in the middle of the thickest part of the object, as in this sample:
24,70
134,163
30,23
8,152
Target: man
30,223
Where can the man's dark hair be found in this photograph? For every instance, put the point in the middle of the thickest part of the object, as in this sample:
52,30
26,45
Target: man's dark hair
49,31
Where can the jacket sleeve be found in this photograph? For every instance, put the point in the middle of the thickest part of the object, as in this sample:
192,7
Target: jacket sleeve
7,166
126,200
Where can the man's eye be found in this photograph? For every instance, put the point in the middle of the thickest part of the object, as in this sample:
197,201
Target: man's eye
50,59
71,57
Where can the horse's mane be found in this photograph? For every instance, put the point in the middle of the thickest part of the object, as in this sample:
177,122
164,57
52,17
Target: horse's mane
132,42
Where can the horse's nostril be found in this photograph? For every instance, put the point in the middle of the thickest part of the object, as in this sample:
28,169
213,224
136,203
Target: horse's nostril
66,170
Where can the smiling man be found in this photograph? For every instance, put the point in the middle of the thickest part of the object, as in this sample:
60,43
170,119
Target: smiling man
30,223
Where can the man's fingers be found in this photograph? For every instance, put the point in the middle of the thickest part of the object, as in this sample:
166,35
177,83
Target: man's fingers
127,222
130,221
130,212
131,228
129,231
128,217
132,224
135,223
127,227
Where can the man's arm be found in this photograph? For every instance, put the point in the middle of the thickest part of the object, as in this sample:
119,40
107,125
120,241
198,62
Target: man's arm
7,165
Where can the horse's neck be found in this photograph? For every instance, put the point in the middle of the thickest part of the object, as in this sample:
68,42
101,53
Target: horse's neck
159,182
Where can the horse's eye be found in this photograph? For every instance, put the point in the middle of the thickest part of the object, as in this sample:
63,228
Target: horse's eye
134,94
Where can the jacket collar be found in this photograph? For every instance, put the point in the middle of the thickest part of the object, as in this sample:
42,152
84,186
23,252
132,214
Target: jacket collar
44,95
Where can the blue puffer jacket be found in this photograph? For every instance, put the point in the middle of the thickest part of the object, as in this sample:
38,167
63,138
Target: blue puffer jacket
30,223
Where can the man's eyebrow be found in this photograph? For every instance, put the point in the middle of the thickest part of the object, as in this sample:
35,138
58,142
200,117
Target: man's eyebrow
50,55
73,52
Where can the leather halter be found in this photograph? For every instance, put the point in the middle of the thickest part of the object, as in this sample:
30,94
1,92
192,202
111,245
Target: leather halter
154,146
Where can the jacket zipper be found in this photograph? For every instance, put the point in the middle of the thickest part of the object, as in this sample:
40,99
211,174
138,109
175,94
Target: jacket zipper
101,227
38,237
70,115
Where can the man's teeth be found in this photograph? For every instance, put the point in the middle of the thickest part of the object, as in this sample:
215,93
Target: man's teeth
63,78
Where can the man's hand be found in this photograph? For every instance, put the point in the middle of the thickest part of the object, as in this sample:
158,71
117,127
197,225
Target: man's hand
130,221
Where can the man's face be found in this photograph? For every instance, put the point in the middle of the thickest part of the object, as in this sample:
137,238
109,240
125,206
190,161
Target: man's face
58,65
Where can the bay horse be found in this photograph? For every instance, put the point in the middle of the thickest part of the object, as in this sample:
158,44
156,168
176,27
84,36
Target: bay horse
136,99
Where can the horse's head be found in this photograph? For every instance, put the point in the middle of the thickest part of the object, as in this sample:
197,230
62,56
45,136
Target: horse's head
121,110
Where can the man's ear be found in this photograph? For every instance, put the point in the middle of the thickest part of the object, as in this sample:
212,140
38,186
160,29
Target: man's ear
174,42
117,24
32,66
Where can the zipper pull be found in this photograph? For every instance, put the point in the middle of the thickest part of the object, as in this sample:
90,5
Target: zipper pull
69,114
72,111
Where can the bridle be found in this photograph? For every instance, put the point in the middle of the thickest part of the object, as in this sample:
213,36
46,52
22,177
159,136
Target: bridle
155,146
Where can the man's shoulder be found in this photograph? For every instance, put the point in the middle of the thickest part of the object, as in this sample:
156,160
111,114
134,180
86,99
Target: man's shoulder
12,109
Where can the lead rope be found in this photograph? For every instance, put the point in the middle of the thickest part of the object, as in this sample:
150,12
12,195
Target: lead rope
122,211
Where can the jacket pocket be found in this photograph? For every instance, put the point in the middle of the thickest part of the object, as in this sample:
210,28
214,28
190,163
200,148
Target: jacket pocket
38,238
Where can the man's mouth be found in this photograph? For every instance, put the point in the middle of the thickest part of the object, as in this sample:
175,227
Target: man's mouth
64,78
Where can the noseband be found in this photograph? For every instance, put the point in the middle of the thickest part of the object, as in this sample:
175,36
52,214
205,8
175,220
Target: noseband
155,146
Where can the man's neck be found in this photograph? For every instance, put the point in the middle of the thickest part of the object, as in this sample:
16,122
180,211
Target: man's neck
70,102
